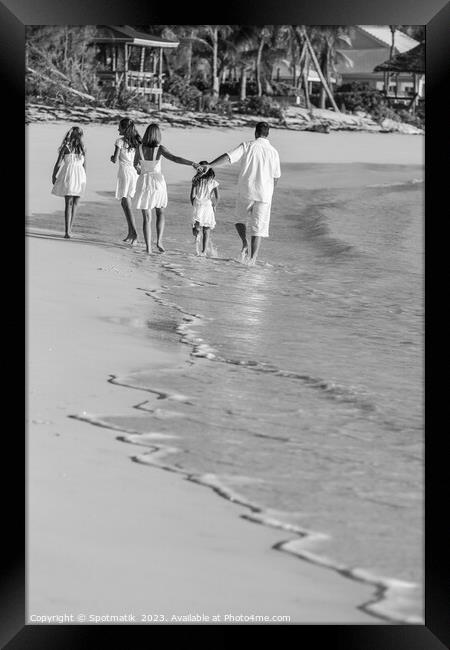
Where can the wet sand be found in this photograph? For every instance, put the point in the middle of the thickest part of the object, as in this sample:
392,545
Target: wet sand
108,536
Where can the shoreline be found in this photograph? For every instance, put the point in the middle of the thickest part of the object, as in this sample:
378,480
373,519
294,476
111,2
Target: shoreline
392,597
295,119
61,449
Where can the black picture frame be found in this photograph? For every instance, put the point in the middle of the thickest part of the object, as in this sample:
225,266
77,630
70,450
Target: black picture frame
435,14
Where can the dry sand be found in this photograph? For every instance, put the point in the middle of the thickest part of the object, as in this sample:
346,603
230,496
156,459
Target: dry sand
107,536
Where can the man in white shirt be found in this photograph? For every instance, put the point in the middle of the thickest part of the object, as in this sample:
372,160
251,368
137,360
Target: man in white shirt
259,173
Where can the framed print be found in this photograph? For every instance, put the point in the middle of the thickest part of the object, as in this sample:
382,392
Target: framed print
225,300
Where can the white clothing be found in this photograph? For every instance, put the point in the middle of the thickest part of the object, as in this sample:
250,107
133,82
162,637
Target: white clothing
255,215
203,210
151,189
71,180
260,164
127,175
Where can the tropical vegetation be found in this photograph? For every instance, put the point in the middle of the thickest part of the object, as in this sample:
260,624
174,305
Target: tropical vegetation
214,68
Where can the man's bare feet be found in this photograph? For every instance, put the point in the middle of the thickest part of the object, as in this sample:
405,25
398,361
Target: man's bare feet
67,236
244,253
160,248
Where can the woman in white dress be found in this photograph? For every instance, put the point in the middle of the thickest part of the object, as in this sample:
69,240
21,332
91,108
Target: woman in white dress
151,189
69,174
125,152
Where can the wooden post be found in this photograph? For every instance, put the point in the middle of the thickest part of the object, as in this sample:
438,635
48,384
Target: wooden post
114,55
160,78
416,94
141,66
305,74
125,67
319,72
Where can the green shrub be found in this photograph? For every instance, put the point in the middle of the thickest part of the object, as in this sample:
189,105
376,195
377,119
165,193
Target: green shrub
284,89
260,106
124,99
223,107
186,94
366,100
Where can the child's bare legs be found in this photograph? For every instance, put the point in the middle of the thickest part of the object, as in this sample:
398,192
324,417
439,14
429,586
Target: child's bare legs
196,231
146,226
242,232
67,215
126,207
256,243
160,221
206,234
75,200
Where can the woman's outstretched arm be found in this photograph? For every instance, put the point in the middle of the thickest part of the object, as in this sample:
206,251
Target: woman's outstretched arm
177,159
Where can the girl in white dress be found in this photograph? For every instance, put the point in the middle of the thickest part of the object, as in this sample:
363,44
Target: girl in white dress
204,198
125,151
70,182
151,189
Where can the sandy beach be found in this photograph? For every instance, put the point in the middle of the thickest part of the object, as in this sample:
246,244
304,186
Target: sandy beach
108,536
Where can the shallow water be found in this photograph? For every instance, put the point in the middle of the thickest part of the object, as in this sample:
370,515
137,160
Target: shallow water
304,390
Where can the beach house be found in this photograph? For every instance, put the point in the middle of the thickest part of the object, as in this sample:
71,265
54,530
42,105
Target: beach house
370,47
131,59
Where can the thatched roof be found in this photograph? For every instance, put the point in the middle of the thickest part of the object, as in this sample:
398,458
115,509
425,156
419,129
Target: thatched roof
115,34
411,61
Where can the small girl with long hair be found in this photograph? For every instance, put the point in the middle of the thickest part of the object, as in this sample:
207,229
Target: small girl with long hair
151,189
125,151
70,182
204,199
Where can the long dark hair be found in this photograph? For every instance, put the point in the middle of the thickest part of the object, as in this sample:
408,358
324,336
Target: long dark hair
131,137
152,136
73,141
204,177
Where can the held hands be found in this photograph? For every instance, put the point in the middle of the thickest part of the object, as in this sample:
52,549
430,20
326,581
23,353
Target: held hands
201,168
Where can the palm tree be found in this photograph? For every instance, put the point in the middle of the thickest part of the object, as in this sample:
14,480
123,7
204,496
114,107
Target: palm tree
213,33
304,59
393,29
327,38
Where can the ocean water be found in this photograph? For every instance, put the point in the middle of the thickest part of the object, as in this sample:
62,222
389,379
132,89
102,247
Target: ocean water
302,392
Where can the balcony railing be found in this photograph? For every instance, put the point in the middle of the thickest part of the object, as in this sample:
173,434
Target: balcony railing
143,83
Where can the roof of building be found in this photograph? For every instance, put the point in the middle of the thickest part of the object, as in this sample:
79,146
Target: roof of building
411,61
127,34
382,33
367,59
364,61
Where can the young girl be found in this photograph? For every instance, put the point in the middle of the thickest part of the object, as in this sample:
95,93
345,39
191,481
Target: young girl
151,190
204,198
125,151
71,180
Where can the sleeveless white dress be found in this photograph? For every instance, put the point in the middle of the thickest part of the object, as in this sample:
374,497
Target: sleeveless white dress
151,189
127,175
203,210
71,180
